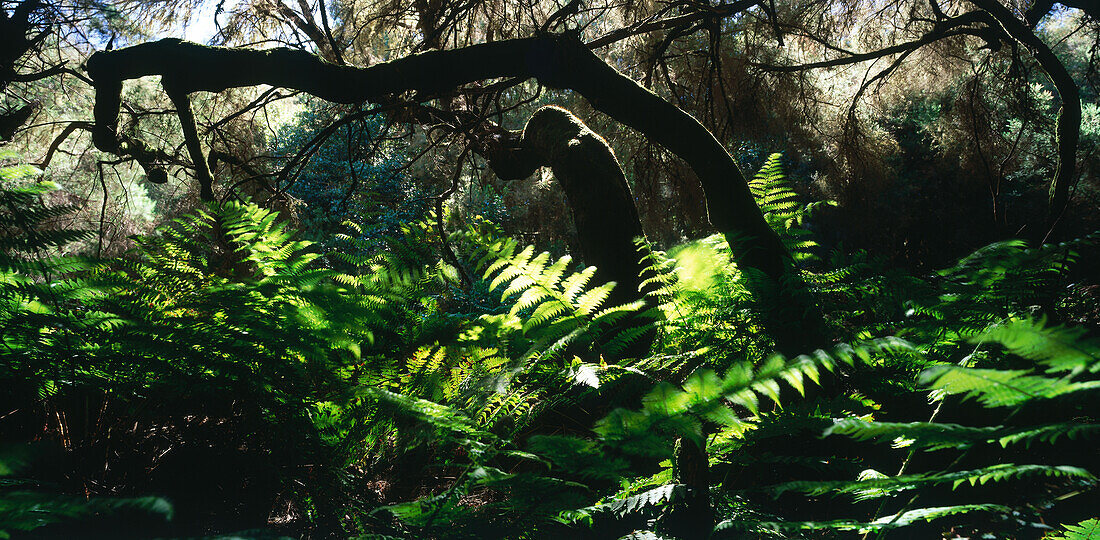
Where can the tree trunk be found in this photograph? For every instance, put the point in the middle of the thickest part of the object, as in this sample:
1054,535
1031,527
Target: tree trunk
599,197
694,516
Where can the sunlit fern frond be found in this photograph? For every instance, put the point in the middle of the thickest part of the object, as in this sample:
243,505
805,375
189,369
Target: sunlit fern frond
783,209
553,305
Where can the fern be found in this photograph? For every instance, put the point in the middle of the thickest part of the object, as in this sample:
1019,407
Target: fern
1059,349
1062,355
552,309
491,387
782,209
1086,530
886,486
998,388
656,497
937,436
890,522
25,507
707,312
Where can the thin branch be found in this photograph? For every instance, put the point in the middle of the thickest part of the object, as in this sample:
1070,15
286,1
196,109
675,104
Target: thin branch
68,130
718,12
448,252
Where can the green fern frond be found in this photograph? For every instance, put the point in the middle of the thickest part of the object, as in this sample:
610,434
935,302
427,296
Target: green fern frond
1085,530
427,412
782,208
903,519
936,436
669,411
999,388
1060,349
884,486
656,497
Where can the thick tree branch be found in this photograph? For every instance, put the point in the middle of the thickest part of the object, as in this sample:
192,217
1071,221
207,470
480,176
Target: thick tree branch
1037,11
603,208
191,139
1089,7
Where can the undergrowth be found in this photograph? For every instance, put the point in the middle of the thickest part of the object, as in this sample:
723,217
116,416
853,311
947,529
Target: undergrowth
349,392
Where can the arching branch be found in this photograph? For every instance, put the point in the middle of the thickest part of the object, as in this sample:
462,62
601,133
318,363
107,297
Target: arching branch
60,138
946,28
603,208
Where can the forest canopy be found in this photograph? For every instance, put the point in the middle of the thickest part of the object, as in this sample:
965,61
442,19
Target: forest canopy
499,269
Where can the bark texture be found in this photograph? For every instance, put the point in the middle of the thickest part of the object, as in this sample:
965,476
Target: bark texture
603,209
15,42
560,61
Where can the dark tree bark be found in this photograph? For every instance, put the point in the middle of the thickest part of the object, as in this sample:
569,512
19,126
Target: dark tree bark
11,121
694,516
560,61
1041,7
15,42
191,139
603,209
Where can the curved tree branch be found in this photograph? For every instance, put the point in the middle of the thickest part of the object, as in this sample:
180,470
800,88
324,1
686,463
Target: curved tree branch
68,130
603,208
950,27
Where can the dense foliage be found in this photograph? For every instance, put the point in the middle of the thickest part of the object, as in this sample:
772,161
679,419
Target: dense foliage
370,269
222,367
